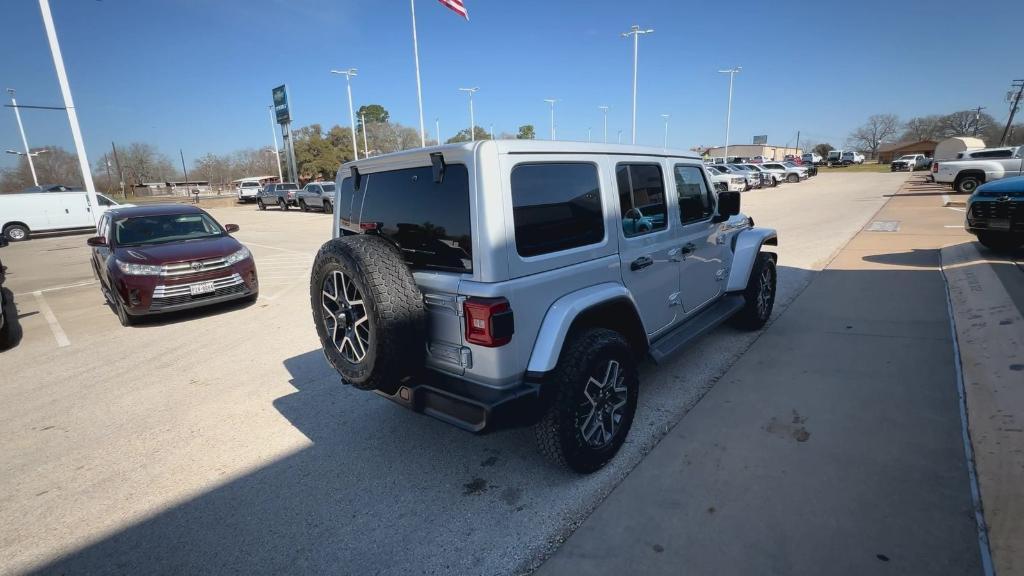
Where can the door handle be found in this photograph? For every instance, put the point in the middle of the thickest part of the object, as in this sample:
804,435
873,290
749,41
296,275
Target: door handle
641,263
687,249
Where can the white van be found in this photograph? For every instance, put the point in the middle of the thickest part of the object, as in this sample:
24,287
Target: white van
24,213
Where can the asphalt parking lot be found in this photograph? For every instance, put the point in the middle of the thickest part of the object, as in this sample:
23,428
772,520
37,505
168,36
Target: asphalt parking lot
221,441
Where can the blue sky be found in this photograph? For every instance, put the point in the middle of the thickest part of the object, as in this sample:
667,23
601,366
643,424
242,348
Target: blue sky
197,74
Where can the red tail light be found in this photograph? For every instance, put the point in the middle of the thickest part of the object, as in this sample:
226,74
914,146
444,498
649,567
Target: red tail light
935,166
489,321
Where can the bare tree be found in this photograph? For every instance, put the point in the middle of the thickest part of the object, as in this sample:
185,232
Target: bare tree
969,123
55,166
923,128
879,128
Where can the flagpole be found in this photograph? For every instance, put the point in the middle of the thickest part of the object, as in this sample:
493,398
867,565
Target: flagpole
419,89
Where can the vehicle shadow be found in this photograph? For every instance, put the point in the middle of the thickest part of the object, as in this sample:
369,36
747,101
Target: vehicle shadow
168,318
11,320
382,490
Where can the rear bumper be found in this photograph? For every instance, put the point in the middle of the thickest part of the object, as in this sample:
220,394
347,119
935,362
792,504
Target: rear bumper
467,405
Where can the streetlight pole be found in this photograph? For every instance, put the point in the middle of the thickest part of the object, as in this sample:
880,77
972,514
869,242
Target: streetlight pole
437,129
24,140
69,104
552,101
419,88
472,120
666,117
366,149
588,134
351,115
619,140
604,109
635,32
732,72
277,152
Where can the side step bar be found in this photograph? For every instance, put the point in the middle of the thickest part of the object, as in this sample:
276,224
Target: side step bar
695,327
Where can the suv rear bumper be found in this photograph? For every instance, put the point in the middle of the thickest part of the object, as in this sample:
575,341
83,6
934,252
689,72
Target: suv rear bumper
467,405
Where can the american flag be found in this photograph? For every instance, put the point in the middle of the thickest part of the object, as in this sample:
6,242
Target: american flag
456,6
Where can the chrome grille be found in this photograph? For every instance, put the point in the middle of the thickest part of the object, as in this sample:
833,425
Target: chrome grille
167,296
185,268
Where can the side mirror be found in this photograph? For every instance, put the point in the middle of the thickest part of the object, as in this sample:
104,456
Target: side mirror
96,241
728,205
231,228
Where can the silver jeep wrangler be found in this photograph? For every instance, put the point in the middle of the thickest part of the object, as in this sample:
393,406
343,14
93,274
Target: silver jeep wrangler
503,283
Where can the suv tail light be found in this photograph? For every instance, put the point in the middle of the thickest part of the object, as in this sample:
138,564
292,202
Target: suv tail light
935,166
489,321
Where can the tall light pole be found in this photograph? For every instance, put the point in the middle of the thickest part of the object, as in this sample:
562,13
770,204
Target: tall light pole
419,88
732,72
366,149
472,120
619,140
588,134
277,152
604,109
351,115
24,141
69,104
437,129
552,101
635,32
666,117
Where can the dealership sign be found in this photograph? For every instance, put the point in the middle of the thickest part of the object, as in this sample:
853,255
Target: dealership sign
281,111
762,140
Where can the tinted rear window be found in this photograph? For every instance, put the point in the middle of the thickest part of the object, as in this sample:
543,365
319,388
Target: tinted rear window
429,221
556,206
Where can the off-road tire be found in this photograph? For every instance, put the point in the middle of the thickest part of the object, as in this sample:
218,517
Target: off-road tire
763,276
393,305
1000,242
585,354
792,178
968,184
302,206
16,232
260,203
282,204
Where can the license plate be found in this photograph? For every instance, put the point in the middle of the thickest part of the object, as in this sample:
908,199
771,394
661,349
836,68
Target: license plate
999,223
201,288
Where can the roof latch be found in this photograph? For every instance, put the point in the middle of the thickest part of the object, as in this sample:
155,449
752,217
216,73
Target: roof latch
437,161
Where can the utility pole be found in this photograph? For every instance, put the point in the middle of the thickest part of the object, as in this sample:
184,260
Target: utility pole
185,170
977,119
552,101
69,104
797,149
635,32
351,115
666,117
588,134
604,109
1019,85
732,72
277,153
366,149
120,173
472,120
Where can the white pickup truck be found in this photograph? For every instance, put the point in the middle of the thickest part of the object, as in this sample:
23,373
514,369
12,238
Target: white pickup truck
983,166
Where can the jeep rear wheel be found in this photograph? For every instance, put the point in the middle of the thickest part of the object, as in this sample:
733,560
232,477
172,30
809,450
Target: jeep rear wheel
759,295
593,397
368,312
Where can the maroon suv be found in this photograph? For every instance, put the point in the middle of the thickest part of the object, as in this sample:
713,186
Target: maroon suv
165,257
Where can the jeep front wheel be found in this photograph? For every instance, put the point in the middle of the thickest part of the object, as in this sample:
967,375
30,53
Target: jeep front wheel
591,403
368,312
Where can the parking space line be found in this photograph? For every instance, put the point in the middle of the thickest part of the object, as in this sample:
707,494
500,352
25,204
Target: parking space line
276,248
51,319
63,287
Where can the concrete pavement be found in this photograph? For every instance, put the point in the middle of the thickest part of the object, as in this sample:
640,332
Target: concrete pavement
834,445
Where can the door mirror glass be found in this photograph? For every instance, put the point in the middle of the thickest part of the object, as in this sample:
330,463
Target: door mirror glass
96,241
728,205
231,228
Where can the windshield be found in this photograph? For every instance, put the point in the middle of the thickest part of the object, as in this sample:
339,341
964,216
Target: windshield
907,157
250,184
164,228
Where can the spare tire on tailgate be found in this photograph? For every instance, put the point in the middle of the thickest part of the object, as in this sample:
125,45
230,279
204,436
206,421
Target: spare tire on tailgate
368,311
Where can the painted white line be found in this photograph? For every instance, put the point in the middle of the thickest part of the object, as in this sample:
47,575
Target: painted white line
276,248
953,226
64,287
957,209
945,200
51,319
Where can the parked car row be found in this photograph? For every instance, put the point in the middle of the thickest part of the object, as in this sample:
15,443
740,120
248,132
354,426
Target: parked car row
740,177
286,195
